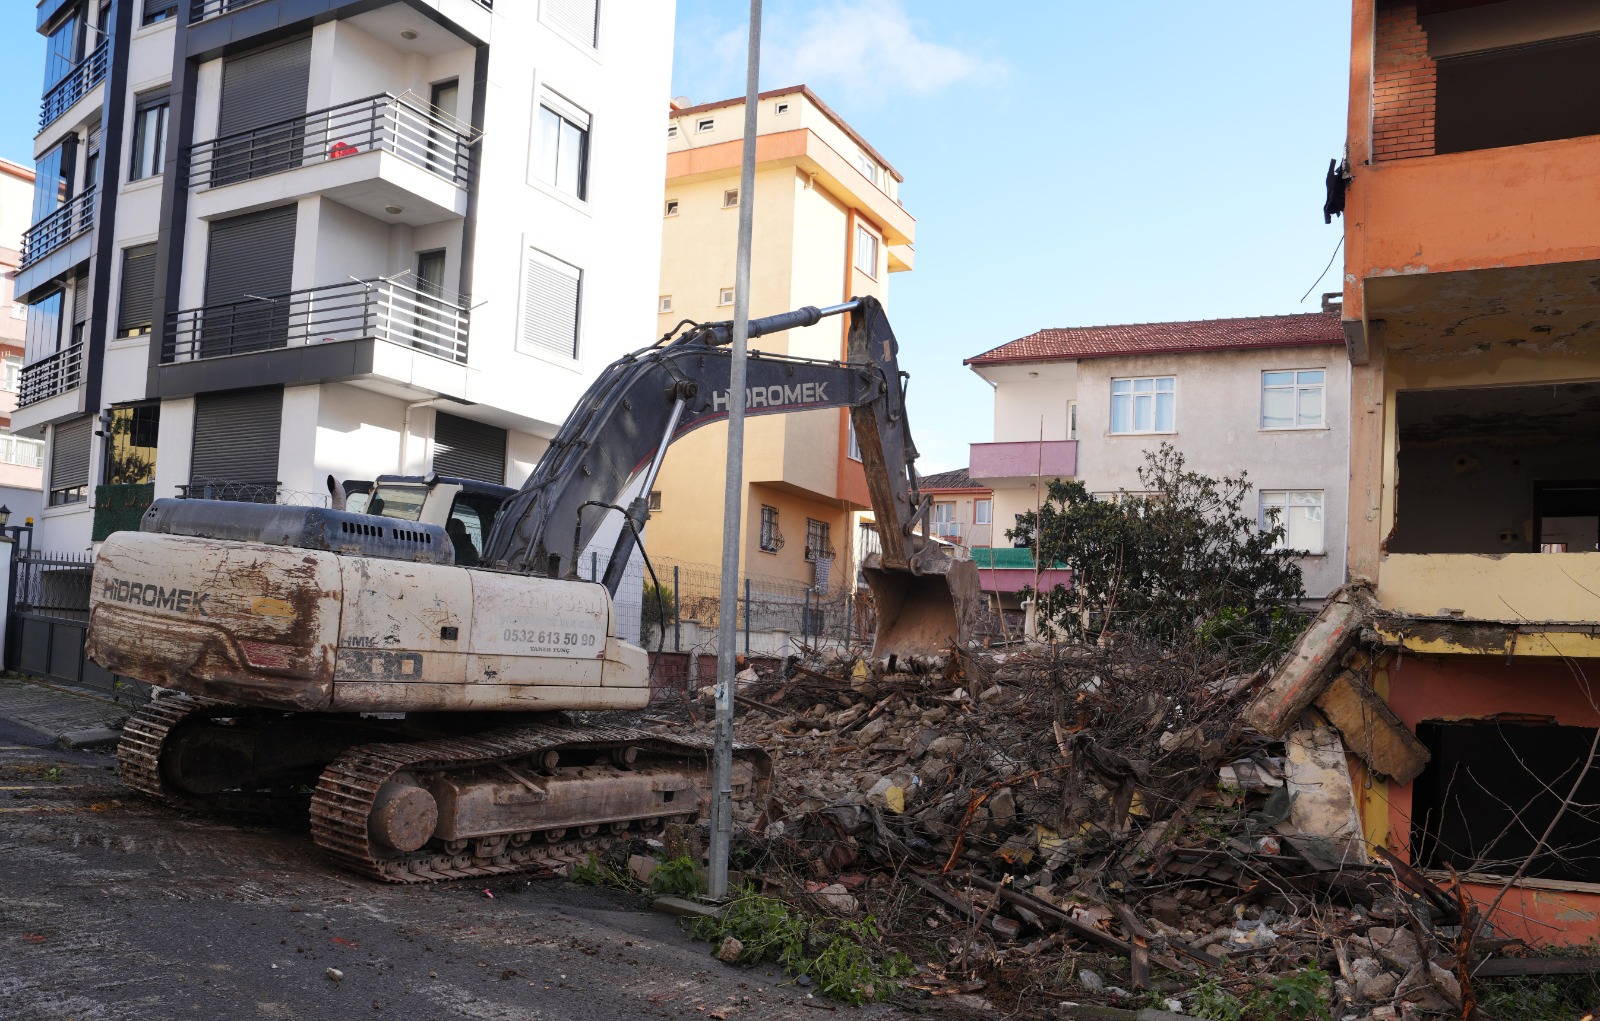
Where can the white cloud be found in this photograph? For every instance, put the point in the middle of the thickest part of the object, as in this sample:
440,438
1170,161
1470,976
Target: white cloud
868,48
856,51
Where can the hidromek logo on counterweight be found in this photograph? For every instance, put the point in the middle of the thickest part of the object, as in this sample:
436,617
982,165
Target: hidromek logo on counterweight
180,600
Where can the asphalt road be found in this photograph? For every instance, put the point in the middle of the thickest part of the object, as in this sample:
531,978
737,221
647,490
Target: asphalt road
112,907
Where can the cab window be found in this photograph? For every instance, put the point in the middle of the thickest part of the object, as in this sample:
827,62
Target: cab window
401,502
471,518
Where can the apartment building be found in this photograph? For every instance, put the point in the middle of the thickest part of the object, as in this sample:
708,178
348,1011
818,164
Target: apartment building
277,240
20,456
1265,395
1471,230
829,226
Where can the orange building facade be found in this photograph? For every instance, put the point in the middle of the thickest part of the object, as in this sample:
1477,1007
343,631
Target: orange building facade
1472,320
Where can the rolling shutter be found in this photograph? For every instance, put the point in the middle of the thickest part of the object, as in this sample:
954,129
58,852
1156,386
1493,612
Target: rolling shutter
80,299
69,454
236,441
138,290
264,87
251,257
468,450
577,18
551,292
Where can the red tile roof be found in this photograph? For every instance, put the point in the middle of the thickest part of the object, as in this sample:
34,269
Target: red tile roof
954,479
1306,329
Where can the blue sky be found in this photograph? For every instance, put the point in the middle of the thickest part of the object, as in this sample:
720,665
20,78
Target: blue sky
1069,163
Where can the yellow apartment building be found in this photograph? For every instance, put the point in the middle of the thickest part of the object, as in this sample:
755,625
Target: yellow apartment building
828,226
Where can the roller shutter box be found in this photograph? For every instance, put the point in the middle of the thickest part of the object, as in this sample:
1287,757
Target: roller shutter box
468,450
551,295
69,454
260,91
138,290
251,257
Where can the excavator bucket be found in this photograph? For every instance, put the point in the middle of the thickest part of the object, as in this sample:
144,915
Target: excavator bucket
922,614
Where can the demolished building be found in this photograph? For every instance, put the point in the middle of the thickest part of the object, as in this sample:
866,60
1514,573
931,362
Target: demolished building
1472,297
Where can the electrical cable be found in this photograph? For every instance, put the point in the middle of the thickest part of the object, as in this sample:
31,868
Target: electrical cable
1324,272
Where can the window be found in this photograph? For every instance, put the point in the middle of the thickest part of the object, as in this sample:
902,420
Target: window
563,146
1292,399
1143,405
725,296
159,10
551,296
430,272
944,519
53,175
781,108
869,169
69,461
131,442
817,545
867,252
771,538
444,146
44,327
11,374
983,512
854,450
138,291
705,124
672,208
1072,420
149,137
1300,514
672,131
655,500
664,303
730,198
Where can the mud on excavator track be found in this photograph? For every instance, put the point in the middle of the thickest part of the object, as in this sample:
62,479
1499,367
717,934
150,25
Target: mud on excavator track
527,797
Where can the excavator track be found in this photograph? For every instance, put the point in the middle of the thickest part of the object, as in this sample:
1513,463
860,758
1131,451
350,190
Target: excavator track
139,759
348,791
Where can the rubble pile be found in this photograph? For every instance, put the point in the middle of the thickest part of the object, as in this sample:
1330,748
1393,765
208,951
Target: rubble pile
1087,825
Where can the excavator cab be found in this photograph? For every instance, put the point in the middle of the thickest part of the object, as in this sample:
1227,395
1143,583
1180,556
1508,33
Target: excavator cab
466,508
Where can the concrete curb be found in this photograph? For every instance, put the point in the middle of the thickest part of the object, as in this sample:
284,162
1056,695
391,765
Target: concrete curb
98,737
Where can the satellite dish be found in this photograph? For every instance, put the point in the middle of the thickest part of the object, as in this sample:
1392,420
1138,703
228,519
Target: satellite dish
681,102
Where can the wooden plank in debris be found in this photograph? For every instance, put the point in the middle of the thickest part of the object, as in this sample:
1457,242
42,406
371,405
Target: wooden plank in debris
1007,927
1139,939
1371,729
1318,653
1497,967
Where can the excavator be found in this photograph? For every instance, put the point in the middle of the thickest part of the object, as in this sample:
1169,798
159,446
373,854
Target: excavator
416,664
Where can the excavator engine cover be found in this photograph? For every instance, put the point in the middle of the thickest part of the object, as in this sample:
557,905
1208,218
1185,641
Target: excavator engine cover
922,614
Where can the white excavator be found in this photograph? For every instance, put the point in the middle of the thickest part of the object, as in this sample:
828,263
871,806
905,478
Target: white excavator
413,665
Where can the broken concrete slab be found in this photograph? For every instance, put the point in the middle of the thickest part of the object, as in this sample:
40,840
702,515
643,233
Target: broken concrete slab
1310,666
1323,812
1371,729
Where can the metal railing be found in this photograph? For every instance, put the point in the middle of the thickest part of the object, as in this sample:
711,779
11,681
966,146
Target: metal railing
403,125
241,491
200,10
61,226
401,310
21,450
50,376
88,73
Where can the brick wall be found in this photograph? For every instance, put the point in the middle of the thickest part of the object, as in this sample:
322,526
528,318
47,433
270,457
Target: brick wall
1403,85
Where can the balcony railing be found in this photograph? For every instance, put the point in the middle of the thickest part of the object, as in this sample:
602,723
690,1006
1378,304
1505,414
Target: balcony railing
401,310
403,125
88,73
200,10
61,226
20,450
48,377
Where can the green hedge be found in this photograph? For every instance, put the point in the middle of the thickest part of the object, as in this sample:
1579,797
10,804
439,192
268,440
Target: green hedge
118,508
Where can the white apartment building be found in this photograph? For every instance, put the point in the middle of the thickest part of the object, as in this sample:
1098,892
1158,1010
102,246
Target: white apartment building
277,240
20,456
1264,395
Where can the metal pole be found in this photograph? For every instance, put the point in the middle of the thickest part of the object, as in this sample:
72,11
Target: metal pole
747,615
677,615
732,504
805,619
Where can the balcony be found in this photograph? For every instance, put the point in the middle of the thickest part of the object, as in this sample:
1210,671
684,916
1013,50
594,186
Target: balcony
51,376
71,220
89,72
397,310
392,157
200,10
1000,465
21,451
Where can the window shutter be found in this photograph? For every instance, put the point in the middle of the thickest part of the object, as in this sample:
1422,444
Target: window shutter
138,290
550,296
236,438
578,18
69,454
465,449
265,87
251,254
80,299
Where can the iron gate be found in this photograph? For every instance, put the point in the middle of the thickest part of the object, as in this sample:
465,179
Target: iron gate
48,624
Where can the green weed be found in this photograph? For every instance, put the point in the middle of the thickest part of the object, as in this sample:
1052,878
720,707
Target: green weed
55,774
677,877
1211,1002
1300,996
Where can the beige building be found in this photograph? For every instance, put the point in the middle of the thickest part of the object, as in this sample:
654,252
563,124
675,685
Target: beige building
828,226
21,457
1265,395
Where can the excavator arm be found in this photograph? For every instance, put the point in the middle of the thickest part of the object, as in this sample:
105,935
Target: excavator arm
616,437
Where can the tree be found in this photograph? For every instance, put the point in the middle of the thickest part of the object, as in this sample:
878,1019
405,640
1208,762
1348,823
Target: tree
656,611
1182,559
